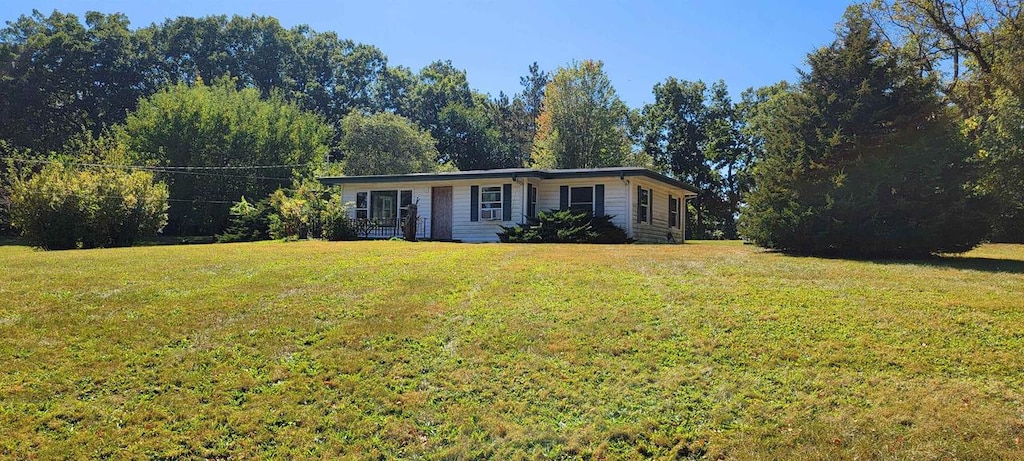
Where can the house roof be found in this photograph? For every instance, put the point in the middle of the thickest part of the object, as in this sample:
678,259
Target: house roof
513,173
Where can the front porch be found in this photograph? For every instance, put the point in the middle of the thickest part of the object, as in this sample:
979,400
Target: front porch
383,228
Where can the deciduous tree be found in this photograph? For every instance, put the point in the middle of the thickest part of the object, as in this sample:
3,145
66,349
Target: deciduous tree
583,123
188,127
385,143
976,48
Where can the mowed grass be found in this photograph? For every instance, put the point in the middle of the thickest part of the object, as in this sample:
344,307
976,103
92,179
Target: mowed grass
370,350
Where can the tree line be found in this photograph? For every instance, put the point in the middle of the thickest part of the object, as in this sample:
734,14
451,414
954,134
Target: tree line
64,79
906,130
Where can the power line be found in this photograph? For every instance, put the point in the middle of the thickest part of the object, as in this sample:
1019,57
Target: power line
216,202
219,202
215,175
161,169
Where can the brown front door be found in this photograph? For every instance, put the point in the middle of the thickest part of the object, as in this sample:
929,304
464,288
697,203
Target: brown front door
441,213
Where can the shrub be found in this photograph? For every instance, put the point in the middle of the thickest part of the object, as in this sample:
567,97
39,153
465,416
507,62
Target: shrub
222,125
565,226
5,211
335,221
290,219
61,208
304,212
247,222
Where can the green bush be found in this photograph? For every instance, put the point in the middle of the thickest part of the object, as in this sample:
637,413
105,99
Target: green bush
5,211
221,125
565,226
247,222
304,212
61,208
335,221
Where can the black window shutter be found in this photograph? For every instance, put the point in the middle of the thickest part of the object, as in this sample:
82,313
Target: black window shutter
671,216
650,206
506,202
599,200
679,210
531,204
639,217
474,203
563,198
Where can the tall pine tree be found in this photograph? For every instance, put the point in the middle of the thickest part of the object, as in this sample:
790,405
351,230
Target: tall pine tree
862,160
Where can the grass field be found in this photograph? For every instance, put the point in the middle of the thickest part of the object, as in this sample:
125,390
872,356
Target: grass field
451,351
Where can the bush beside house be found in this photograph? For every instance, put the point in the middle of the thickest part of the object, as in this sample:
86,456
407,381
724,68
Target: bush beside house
565,226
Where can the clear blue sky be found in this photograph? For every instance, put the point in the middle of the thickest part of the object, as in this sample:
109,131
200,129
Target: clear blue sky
746,43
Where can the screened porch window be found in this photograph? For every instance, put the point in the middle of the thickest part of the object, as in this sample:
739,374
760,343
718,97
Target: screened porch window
383,206
404,200
362,205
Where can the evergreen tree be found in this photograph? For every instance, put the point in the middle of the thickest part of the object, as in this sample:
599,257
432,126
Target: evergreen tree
862,160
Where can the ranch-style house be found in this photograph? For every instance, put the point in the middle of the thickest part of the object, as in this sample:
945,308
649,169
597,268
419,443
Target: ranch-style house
469,206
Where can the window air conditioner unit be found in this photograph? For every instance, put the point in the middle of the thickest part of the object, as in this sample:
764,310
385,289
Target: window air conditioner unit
490,214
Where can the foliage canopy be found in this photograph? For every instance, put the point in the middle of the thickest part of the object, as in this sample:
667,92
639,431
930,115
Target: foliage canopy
863,160
220,126
582,123
60,207
385,143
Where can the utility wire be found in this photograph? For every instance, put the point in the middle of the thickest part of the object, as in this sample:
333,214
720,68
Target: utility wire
216,202
168,170
162,167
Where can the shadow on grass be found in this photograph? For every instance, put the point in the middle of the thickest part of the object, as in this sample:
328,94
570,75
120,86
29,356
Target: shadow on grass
7,240
1011,266
972,263
160,240
147,242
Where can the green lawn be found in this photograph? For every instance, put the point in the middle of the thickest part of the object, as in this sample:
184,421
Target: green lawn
431,350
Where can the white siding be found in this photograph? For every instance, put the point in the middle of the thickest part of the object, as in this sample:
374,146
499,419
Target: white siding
614,195
619,201
462,228
481,231
657,231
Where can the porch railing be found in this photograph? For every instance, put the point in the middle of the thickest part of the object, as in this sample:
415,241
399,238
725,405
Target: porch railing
376,228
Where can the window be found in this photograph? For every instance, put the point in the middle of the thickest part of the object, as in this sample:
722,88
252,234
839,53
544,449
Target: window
490,203
643,205
674,211
386,207
362,208
531,209
581,198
